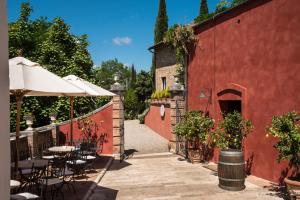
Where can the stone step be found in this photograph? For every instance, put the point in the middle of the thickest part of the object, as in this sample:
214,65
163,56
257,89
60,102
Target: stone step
153,155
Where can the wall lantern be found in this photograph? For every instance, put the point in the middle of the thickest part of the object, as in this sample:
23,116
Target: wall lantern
206,93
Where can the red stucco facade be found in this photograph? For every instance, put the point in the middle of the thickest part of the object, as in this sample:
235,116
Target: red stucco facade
104,120
161,125
251,54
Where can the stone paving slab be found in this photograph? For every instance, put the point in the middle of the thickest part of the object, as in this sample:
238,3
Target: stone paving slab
168,178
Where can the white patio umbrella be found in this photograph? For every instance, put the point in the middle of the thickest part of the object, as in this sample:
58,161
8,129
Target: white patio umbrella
28,78
90,90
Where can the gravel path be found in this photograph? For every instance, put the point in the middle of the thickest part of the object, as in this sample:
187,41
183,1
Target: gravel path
140,138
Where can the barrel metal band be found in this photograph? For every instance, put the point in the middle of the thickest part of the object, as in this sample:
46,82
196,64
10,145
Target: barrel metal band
226,163
228,179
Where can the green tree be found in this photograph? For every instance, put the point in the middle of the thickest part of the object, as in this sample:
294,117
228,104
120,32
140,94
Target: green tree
53,46
203,8
143,86
161,27
21,37
104,74
237,2
130,104
132,77
222,6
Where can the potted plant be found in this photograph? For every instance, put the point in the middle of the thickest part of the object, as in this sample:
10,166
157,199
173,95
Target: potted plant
286,129
228,137
195,128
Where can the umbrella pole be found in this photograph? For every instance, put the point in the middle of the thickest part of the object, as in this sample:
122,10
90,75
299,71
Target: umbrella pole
71,119
19,98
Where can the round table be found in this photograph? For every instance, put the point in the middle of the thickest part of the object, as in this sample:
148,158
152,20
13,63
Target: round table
14,184
27,164
62,149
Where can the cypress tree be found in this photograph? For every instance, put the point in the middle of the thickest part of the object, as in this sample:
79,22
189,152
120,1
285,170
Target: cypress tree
133,77
161,27
203,8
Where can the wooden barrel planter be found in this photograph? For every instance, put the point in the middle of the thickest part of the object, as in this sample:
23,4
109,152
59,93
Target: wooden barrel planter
231,170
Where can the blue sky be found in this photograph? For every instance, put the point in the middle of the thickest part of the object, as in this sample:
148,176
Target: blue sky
121,29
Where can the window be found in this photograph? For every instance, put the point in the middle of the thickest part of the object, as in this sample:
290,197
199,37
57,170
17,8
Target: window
164,82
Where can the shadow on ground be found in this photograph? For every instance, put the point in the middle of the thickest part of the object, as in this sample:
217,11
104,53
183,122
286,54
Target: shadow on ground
129,153
278,191
117,165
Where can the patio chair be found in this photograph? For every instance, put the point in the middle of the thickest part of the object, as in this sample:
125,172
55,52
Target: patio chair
27,177
59,168
52,181
89,155
76,164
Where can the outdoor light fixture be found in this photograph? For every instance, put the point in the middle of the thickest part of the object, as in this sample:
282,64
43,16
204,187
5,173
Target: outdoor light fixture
206,93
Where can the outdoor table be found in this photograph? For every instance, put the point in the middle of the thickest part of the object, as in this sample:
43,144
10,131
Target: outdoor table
37,163
14,184
62,149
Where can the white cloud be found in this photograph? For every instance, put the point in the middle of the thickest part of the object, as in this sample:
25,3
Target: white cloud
122,41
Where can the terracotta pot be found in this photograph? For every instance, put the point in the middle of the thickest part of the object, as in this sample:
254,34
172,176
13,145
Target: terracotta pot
195,155
293,187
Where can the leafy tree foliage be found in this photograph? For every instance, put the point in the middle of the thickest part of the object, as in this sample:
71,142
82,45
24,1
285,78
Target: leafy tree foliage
237,2
286,128
203,8
231,131
161,26
130,104
143,86
104,74
132,77
222,6
53,46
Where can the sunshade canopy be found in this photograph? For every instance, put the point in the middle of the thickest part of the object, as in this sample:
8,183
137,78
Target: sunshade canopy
32,79
89,88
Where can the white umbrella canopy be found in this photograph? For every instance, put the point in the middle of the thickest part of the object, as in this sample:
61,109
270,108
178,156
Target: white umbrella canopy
34,80
27,78
90,90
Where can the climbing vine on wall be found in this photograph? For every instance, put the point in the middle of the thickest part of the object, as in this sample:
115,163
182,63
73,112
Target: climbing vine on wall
180,38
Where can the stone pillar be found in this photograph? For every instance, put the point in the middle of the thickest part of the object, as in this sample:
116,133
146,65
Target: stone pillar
178,108
55,137
118,120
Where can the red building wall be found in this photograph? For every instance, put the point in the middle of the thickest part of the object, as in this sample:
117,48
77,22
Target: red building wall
104,120
160,125
255,50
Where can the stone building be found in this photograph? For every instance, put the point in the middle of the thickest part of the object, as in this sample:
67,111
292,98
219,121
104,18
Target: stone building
165,61
246,59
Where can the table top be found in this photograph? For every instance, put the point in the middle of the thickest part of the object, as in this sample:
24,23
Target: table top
14,184
62,149
27,164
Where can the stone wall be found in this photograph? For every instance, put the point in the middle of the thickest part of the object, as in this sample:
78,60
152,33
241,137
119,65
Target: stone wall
174,111
164,57
168,72
160,124
104,122
165,67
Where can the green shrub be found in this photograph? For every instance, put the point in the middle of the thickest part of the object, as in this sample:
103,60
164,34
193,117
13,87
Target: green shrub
231,131
195,125
287,129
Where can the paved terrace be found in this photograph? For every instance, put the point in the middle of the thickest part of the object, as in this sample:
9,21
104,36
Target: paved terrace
165,176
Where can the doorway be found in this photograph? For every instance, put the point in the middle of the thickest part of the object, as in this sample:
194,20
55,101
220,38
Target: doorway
229,106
